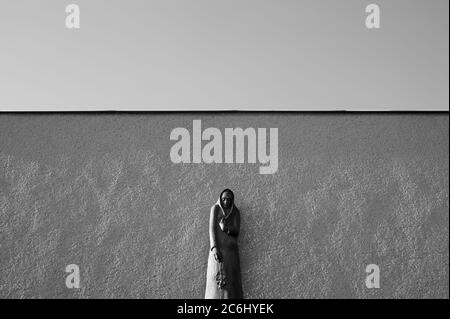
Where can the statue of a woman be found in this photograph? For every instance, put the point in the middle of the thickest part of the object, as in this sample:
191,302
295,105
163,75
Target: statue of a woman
223,279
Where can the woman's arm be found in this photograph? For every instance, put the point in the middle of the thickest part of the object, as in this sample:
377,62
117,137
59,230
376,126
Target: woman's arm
212,235
212,228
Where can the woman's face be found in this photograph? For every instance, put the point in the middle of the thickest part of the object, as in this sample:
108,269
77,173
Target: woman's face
227,199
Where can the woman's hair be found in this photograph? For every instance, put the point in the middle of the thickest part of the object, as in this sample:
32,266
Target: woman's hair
229,191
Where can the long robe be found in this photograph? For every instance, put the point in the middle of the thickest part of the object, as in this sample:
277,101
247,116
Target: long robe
223,279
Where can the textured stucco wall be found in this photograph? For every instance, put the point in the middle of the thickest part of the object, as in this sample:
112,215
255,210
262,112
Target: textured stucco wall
100,191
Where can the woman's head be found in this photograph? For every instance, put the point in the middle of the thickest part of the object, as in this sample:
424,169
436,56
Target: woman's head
226,198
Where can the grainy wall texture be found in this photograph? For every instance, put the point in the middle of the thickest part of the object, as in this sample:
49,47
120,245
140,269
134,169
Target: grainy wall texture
100,191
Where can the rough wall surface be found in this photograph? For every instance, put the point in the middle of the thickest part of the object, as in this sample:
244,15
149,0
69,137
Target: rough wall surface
100,191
